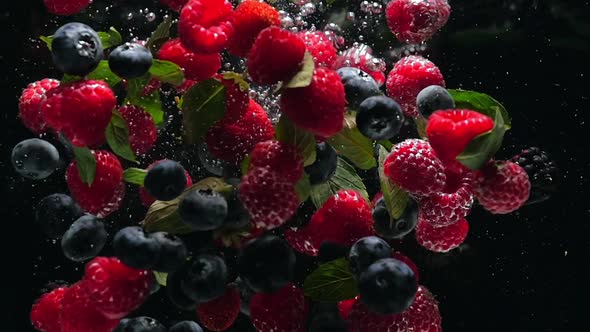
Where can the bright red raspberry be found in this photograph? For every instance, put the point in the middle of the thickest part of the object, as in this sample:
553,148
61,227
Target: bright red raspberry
205,25
146,199
66,7
345,306
197,67
361,57
106,192
282,158
503,187
29,104
319,107
46,310
285,310
142,130
441,239
175,5
413,165
237,101
151,87
277,55
408,77
186,84
251,17
221,313
81,110
320,47
422,315
416,21
79,312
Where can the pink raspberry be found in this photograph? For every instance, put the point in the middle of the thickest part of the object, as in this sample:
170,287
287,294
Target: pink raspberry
503,187
415,21
441,239
29,104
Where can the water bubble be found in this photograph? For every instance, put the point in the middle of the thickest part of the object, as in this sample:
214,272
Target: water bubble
150,17
308,9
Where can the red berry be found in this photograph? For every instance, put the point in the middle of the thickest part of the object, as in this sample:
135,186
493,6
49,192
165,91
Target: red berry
79,313
205,25
237,101
221,313
146,199
279,157
276,55
46,310
250,17
408,77
81,110
142,130
66,7
361,57
319,107
285,310
441,239
503,187
196,66
413,165
29,104
416,21
106,192
345,306
175,5
320,47
151,87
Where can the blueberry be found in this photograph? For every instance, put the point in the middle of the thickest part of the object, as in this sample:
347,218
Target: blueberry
35,158
379,118
85,238
267,263
434,98
206,278
166,180
175,293
365,252
203,210
388,286
186,326
139,324
76,49
172,254
324,165
130,60
237,216
358,86
390,228
330,251
56,213
135,249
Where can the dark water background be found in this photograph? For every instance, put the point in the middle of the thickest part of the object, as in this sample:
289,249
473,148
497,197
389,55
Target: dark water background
521,272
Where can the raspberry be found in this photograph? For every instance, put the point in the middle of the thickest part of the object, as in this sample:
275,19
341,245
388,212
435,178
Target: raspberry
408,77
142,130
146,199
282,158
319,107
361,57
276,55
503,187
320,47
269,199
80,314
115,288
66,7
413,165
175,5
81,110
542,171
196,66
450,131
106,192
205,25
29,104
237,102
416,21
441,239
422,315
345,306
221,313
250,17
46,310
285,310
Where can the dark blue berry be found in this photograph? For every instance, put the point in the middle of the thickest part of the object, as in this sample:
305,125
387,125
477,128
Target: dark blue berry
165,180
174,290
135,249
330,251
237,216
203,210
85,238
35,158
358,86
388,286
139,324
130,60
379,118
246,294
324,165
434,98
172,253
56,213
390,228
76,49
186,326
206,278
365,252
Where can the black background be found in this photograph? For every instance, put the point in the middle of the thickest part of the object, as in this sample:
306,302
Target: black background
520,272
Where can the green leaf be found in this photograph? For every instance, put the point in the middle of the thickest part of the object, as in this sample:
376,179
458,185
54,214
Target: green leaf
160,35
67,79
161,277
86,164
303,140
103,72
167,72
396,199
421,124
386,144
151,103
238,79
48,40
353,145
482,148
134,175
303,188
110,38
480,102
202,105
245,165
117,134
331,282
304,76
345,177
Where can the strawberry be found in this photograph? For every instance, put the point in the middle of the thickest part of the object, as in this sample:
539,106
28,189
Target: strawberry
142,130
320,47
279,157
205,26
221,313
197,67
146,199
285,310
79,313
46,310
29,104
175,5
416,21
66,7
503,187
250,17
441,239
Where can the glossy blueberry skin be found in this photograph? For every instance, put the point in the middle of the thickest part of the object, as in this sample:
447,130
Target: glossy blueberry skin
56,213
186,326
358,86
166,180
379,118
76,49
172,254
203,210
324,165
140,324
130,60
389,228
135,249
434,98
35,158
85,238
206,278
365,252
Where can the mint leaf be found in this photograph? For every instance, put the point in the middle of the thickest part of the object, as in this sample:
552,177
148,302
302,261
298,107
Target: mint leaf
202,105
160,35
110,38
245,165
481,103
331,282
161,278
67,79
48,40
396,199
134,175
304,76
303,140
303,188
238,79
482,148
167,72
86,164
151,103
117,134
353,145
103,72
345,177
421,124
